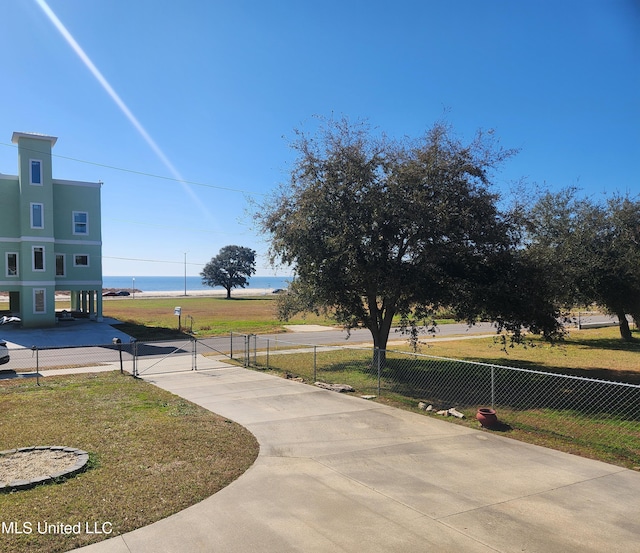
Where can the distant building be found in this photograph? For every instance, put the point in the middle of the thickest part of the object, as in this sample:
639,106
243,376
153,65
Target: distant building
50,237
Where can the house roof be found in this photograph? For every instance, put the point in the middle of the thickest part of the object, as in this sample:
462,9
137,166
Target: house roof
38,136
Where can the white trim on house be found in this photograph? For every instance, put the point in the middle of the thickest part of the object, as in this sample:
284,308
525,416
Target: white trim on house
6,266
39,162
79,242
16,135
40,283
97,283
33,259
35,292
75,260
47,239
85,223
32,206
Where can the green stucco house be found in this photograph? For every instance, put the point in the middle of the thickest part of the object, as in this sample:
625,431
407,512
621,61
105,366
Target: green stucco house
50,238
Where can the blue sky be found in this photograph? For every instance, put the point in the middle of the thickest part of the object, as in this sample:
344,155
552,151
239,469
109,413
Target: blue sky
212,90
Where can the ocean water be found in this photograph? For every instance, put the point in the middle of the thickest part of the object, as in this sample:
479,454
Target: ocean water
176,284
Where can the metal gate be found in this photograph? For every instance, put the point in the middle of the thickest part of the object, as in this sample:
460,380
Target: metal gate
156,357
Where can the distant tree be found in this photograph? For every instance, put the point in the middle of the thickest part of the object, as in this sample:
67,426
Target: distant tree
376,229
230,268
589,251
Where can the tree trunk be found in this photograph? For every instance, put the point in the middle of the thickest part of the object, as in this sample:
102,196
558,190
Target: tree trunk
625,331
379,324
379,359
229,293
380,335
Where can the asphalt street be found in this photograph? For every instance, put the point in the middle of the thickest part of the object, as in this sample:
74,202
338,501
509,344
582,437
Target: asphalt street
88,342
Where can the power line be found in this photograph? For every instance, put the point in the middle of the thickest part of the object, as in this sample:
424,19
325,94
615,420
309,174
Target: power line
207,231
153,260
145,174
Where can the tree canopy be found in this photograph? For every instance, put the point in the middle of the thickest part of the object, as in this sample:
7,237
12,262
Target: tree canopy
589,251
376,228
230,268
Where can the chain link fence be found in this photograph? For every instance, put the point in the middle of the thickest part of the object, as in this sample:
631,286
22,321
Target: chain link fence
577,411
136,358
36,362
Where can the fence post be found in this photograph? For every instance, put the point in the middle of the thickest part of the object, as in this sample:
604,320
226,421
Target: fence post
35,349
231,345
194,366
315,363
379,365
246,351
255,350
267,353
134,357
493,388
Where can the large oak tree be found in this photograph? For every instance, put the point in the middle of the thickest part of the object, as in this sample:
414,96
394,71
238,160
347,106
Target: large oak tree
230,268
376,228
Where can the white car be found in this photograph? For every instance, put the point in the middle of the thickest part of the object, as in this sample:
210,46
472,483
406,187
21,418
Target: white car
4,352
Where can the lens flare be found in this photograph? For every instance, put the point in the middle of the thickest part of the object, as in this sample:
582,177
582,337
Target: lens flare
119,102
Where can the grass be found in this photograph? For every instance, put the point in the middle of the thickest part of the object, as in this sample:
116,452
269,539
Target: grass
153,318
151,454
594,353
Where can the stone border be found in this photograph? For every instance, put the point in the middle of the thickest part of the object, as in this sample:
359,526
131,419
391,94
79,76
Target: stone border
82,458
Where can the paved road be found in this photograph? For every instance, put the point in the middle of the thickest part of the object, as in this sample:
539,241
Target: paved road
84,334
340,337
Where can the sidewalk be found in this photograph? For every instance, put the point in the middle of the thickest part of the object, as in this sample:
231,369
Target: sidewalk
342,474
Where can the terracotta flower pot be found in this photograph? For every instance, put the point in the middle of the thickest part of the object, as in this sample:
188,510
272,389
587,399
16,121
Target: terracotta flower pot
487,417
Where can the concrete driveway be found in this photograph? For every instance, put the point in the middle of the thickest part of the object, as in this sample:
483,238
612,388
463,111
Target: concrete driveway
342,474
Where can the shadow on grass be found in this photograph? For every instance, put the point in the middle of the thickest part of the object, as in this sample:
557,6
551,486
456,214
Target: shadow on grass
465,384
614,344
142,332
598,373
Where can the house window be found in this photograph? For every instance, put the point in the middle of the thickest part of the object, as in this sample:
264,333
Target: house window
12,264
35,172
39,300
80,222
37,216
38,258
60,265
81,260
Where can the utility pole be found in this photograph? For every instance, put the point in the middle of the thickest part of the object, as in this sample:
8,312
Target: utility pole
185,273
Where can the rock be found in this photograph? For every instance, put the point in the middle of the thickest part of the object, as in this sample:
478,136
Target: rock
368,397
422,405
429,408
444,413
454,412
335,387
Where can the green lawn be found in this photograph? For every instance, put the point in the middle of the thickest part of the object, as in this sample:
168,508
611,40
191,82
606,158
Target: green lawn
151,454
150,318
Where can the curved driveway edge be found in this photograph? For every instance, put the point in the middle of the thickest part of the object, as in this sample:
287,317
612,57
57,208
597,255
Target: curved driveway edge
342,474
